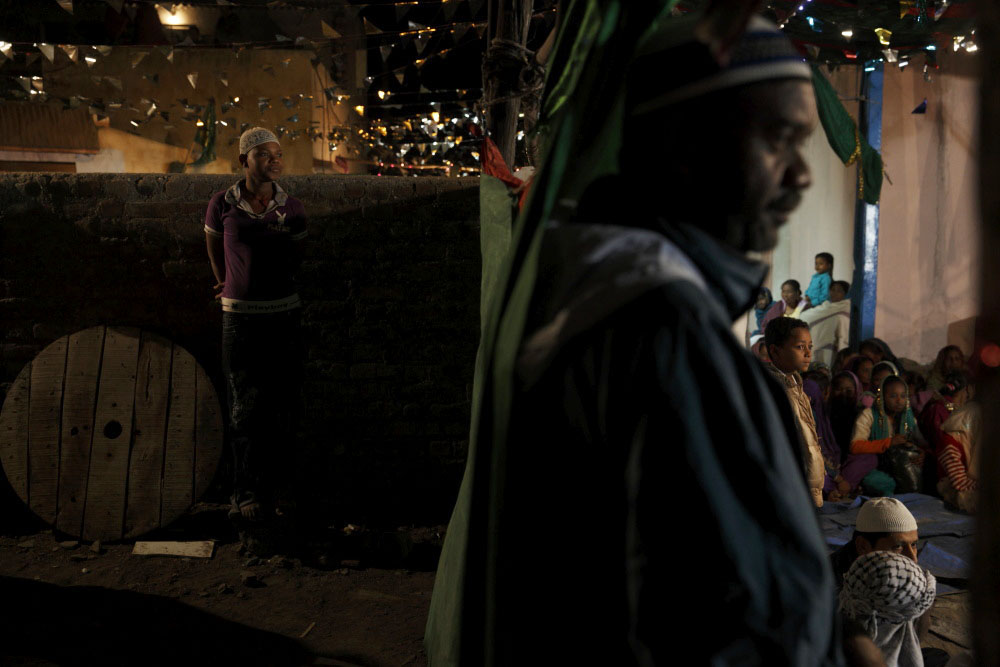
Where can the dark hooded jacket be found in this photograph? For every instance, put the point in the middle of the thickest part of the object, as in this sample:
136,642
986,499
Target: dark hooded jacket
647,505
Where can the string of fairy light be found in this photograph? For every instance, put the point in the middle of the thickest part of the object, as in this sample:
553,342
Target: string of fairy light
423,131
889,51
375,134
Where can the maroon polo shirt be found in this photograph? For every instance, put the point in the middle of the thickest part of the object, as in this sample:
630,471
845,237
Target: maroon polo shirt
260,260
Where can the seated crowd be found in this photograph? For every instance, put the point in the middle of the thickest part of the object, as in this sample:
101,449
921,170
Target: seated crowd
877,426
872,424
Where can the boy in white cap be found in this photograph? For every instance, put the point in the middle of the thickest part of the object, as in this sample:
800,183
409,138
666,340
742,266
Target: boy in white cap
883,524
254,233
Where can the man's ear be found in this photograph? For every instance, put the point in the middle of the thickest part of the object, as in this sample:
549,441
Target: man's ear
862,546
243,160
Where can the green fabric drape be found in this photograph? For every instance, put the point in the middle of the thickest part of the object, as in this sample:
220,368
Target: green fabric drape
497,210
846,141
581,123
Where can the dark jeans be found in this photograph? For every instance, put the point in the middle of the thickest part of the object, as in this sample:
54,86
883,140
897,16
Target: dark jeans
262,364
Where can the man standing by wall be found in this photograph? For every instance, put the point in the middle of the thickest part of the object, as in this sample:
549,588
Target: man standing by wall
635,458
254,233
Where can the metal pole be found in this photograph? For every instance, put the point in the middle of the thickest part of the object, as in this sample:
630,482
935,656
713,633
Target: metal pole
866,216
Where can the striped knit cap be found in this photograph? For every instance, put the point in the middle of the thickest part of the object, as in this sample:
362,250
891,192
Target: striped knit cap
885,587
672,66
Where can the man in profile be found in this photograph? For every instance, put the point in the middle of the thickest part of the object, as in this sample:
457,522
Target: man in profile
645,500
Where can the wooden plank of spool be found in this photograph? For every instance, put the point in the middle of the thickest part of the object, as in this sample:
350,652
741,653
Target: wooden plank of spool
208,433
140,435
178,458
14,433
44,413
83,368
104,512
152,394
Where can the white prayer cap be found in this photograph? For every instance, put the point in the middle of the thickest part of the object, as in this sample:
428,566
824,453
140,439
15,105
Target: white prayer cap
255,136
885,515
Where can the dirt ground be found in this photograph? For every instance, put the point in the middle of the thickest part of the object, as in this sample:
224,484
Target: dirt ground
350,597
361,598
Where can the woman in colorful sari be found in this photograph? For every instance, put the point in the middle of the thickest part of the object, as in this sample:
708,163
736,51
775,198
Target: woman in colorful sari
889,423
842,411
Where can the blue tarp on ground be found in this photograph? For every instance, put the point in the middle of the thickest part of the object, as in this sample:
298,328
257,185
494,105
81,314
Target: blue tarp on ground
945,546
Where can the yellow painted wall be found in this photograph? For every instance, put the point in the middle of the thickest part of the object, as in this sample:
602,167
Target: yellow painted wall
250,75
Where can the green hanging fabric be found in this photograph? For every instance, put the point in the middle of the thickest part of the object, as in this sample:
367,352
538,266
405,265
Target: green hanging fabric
497,210
581,126
205,137
846,141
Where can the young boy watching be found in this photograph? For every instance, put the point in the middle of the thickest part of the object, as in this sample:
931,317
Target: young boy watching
819,287
789,347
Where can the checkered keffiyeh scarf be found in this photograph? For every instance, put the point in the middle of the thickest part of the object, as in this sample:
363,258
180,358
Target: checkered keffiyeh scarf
883,587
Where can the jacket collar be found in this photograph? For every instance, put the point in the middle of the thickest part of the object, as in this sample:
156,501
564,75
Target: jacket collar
234,198
790,380
731,276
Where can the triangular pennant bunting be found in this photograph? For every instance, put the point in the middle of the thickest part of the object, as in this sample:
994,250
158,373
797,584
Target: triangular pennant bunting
370,28
104,50
400,76
449,7
48,50
66,4
30,58
167,51
115,5
193,79
72,52
386,52
328,32
137,58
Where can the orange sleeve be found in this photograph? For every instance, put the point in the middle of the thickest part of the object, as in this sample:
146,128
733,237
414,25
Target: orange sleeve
870,446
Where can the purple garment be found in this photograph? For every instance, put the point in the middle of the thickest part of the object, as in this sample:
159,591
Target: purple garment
777,310
258,247
855,466
827,443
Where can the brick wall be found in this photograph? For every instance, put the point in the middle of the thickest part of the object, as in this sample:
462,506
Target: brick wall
391,286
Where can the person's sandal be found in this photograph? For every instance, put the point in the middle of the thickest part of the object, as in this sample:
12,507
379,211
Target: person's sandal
236,507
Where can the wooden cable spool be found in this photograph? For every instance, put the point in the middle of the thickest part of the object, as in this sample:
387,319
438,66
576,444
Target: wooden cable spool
111,432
